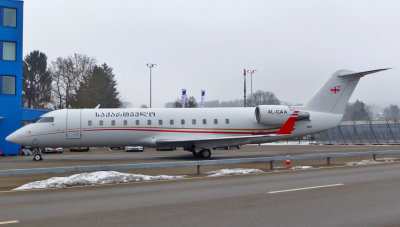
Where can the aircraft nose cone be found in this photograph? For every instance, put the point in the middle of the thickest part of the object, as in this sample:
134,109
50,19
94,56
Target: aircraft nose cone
12,138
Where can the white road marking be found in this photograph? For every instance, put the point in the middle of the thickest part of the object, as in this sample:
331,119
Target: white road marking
306,188
9,222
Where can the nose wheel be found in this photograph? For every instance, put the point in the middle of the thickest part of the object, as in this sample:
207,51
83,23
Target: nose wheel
37,154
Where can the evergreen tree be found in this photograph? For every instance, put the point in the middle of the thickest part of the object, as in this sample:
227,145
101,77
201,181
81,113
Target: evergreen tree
357,111
98,88
36,89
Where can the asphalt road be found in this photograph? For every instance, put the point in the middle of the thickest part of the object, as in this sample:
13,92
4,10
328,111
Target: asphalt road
102,156
340,196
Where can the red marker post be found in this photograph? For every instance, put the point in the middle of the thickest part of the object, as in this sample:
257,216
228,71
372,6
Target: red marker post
287,159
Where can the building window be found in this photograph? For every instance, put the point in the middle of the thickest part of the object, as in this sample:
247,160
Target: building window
160,122
89,123
10,17
101,123
215,121
193,121
227,121
125,122
204,121
137,122
171,122
113,122
182,122
9,51
148,122
7,85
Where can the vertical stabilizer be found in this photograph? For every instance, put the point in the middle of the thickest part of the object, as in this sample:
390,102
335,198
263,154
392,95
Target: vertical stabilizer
334,94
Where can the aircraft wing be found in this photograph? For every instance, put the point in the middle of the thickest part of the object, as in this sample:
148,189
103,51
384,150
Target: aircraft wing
284,132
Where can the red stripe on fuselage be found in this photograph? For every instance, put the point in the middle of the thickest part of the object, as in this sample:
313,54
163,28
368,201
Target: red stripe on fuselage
179,131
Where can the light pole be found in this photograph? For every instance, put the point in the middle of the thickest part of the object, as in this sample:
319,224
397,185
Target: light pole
150,66
251,77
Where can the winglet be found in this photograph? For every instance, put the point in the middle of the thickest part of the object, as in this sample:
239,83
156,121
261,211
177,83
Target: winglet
288,127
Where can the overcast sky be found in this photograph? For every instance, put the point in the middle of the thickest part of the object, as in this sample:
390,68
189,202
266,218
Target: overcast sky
294,45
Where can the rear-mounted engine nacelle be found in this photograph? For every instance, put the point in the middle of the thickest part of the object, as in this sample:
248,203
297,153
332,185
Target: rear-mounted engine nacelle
276,115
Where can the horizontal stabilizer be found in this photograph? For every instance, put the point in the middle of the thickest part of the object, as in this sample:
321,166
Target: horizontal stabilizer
361,74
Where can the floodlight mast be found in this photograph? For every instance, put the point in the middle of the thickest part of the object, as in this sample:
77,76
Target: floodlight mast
150,65
251,77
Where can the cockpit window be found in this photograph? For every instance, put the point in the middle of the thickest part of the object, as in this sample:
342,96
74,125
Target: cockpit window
45,120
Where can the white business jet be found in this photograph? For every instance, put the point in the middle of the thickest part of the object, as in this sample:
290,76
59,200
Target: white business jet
198,130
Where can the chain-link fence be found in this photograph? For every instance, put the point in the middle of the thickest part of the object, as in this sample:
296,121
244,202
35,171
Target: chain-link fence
361,132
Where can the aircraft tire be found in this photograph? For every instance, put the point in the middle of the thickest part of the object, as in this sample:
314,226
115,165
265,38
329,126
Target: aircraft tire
205,153
37,157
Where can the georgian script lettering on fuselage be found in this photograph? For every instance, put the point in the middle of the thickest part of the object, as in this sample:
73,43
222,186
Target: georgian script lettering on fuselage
125,114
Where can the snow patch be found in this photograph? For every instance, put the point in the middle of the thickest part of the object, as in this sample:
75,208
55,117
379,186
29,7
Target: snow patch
95,178
368,162
363,162
236,171
301,167
386,159
288,143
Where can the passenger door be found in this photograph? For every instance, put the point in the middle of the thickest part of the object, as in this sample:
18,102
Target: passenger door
74,129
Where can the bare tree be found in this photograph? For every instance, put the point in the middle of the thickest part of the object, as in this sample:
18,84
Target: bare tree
190,102
68,73
392,112
262,98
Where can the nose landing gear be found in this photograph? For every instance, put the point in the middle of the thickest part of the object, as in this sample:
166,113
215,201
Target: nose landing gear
37,154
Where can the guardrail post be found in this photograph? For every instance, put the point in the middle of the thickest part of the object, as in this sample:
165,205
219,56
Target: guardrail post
271,164
328,160
198,169
374,157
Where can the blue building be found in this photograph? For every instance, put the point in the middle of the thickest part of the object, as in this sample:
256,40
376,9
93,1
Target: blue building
11,57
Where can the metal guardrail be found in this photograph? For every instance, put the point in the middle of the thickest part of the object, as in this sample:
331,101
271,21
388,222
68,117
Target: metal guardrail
271,161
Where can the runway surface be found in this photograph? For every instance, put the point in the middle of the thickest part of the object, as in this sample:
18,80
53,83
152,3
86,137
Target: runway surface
102,156
340,196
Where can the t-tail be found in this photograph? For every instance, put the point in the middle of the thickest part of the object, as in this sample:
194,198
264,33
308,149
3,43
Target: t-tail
334,94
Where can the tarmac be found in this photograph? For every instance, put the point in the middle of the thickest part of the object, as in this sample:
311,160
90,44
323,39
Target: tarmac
103,156
329,196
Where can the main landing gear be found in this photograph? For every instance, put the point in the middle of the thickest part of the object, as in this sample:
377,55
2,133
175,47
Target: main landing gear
37,154
204,153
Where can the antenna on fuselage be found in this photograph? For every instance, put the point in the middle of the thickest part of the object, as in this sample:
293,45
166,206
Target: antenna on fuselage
98,106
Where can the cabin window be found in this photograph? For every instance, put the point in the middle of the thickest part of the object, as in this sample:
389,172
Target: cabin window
113,122
204,121
89,123
193,121
182,122
101,123
215,121
148,122
137,122
160,122
45,120
125,122
171,122
227,121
